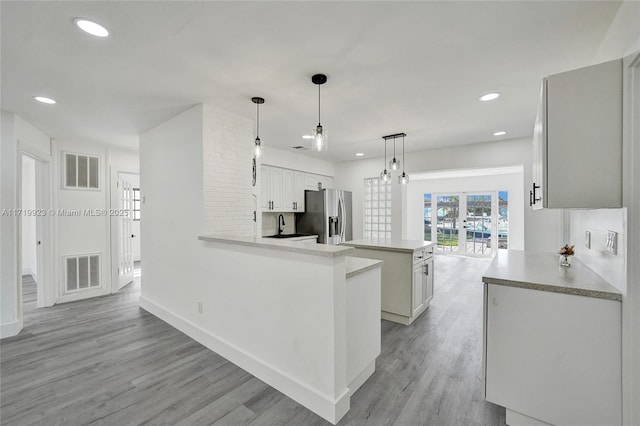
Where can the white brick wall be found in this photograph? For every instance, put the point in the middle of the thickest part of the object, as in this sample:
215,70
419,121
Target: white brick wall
227,159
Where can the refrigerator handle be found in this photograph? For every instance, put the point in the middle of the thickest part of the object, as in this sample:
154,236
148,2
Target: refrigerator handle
343,214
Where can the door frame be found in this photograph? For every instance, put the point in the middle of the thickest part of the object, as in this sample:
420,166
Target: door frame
114,239
44,227
631,200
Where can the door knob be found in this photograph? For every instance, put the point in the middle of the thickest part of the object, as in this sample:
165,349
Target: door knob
38,242
133,235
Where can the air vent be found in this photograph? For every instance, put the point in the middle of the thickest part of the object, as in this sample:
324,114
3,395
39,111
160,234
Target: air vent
82,272
300,147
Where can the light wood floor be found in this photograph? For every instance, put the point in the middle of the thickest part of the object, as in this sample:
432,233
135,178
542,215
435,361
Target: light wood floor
105,361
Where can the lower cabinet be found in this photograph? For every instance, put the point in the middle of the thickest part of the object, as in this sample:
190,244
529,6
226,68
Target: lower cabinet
552,358
407,282
422,286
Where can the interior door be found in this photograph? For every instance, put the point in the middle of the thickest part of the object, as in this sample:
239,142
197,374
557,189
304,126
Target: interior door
125,253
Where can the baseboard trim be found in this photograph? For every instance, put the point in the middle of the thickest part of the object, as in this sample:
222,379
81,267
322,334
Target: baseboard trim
29,271
10,329
362,378
323,405
513,418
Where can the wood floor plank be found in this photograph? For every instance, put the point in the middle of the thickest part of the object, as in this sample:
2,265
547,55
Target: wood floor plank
105,361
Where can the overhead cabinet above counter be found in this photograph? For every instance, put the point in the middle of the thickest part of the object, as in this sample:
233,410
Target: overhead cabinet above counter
577,141
282,190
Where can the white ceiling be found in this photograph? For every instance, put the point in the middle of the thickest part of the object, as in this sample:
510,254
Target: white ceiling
413,67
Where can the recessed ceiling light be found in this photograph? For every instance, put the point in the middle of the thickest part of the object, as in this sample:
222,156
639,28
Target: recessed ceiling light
500,133
359,154
489,96
91,27
44,100
307,136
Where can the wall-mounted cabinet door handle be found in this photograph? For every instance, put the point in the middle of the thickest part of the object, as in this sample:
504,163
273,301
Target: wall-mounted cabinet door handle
530,198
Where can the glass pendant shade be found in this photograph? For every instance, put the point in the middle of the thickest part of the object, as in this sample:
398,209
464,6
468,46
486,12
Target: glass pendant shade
257,144
385,176
394,164
319,142
403,179
257,148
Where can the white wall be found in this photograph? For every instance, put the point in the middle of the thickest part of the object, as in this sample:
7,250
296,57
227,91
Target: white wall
512,183
171,180
292,160
8,229
542,228
17,135
29,237
609,266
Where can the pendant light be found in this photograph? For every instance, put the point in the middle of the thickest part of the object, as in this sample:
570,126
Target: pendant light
394,164
385,176
404,178
319,141
257,147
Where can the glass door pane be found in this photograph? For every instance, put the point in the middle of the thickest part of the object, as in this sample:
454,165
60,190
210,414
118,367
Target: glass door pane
448,222
478,223
427,217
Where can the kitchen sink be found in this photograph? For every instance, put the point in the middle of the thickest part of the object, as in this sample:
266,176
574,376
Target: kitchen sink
287,236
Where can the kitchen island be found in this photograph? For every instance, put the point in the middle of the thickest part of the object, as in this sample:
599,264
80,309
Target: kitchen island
300,316
552,342
407,275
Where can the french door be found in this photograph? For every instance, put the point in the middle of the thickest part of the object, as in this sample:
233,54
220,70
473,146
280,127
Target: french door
125,252
468,222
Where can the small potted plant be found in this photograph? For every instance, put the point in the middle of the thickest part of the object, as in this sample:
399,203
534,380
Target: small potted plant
565,252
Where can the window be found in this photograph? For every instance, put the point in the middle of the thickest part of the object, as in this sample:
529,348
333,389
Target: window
377,208
136,203
81,171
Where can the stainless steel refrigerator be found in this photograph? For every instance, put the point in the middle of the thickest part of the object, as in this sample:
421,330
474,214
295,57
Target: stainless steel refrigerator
327,214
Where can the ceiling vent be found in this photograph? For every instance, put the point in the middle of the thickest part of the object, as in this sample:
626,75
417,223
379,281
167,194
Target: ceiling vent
300,147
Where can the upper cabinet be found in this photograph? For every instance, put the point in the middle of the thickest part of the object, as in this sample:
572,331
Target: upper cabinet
577,158
312,181
282,190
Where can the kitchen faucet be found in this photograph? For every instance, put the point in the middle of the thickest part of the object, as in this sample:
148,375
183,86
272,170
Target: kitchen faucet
280,224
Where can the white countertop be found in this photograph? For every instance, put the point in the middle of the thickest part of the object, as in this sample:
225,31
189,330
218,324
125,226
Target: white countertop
358,265
302,247
541,271
408,246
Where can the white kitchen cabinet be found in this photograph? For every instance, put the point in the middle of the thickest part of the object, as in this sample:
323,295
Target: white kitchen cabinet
553,357
552,341
312,180
271,188
407,275
422,283
287,190
298,191
292,191
577,157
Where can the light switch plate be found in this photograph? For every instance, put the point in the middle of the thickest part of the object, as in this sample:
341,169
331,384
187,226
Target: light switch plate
612,242
587,239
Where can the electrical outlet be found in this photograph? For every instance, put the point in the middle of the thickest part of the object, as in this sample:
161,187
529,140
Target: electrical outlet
587,239
199,306
612,242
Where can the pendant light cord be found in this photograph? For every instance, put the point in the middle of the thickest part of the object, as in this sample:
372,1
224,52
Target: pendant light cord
403,155
394,149
258,121
319,105
385,153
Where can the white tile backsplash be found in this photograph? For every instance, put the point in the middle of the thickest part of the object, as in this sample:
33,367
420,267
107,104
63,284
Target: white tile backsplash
227,155
609,266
